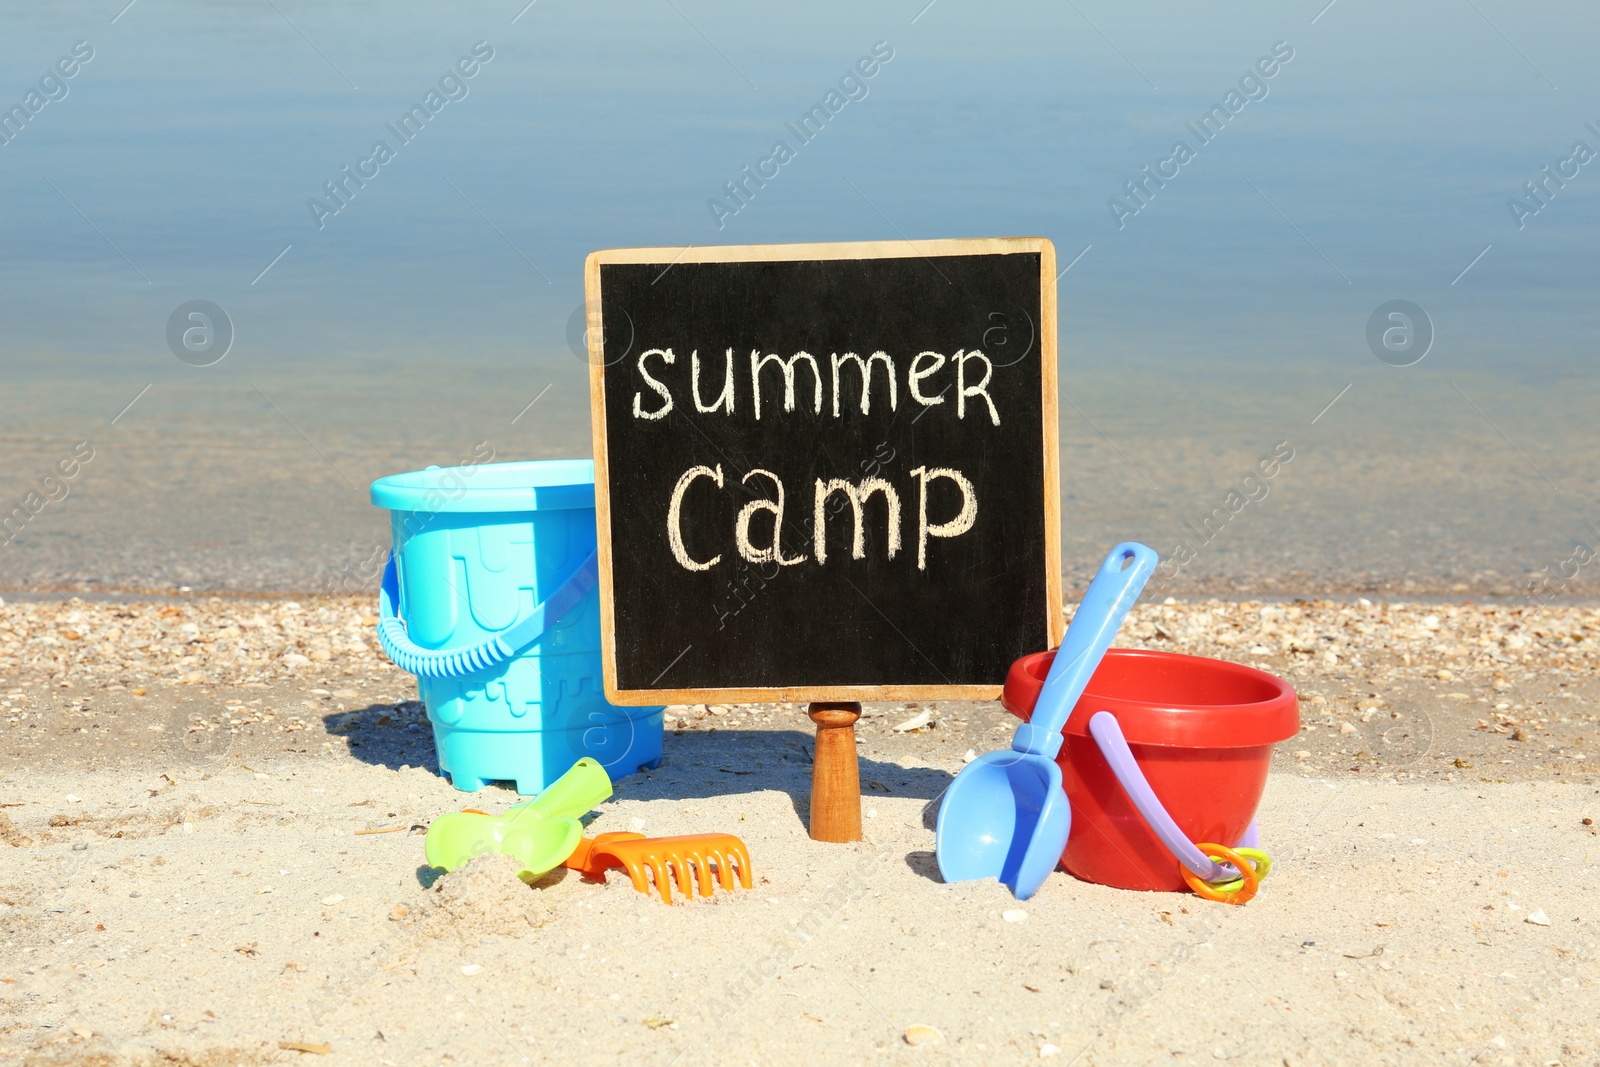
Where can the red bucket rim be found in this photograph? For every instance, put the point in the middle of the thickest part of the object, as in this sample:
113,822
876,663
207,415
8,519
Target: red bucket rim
1273,718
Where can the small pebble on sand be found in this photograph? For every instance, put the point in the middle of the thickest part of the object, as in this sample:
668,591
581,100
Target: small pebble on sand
330,901
471,969
922,1034
1538,918
1014,915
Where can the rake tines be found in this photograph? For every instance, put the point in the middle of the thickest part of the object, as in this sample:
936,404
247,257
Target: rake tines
706,859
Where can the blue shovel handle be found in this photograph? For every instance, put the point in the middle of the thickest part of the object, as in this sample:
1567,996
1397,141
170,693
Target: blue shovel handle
1094,626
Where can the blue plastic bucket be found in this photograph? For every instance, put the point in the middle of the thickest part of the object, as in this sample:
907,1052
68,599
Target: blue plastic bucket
490,599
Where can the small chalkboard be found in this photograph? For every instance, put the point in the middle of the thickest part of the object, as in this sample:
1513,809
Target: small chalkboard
826,471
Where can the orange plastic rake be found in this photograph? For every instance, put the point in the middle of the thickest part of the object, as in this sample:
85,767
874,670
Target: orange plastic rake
690,858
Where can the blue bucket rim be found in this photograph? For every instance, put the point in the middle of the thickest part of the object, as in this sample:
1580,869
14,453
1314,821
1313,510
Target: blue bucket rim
523,485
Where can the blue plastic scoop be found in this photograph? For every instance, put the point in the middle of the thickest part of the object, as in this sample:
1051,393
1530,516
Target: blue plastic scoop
1005,816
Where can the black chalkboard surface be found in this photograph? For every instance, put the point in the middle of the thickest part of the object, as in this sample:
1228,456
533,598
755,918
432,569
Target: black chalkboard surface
827,471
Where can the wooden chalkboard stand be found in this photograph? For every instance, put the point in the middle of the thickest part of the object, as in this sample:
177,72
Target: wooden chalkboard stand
835,773
673,509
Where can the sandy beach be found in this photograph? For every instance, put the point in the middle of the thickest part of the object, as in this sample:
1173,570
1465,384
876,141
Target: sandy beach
214,817
923,306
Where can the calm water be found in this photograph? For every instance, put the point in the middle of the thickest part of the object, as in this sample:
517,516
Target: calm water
1219,318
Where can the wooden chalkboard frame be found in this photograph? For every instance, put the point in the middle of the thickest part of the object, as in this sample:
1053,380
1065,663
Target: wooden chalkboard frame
853,250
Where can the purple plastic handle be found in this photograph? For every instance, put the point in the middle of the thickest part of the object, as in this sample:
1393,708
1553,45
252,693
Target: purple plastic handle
1114,747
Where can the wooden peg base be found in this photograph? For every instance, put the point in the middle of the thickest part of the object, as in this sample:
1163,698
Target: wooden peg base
835,773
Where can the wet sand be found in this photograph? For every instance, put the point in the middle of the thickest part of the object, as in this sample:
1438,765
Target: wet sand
1400,490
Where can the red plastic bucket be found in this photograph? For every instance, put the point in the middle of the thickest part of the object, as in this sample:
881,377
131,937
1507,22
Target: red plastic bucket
1202,731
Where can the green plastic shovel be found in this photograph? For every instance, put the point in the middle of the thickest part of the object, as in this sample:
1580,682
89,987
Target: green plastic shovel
539,834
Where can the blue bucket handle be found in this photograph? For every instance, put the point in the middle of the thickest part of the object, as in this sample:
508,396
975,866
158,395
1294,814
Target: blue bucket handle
458,662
